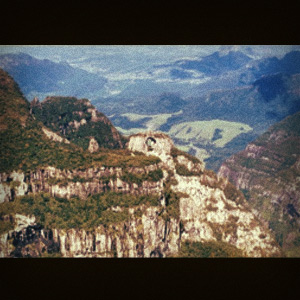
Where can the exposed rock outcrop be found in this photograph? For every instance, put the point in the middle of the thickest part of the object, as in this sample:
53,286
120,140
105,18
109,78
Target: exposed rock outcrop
268,173
81,183
93,145
54,137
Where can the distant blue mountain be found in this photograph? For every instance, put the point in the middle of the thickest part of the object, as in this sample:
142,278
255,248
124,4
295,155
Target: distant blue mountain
269,100
45,76
179,74
289,64
216,64
271,86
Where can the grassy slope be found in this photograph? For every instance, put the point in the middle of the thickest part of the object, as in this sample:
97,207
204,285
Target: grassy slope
204,130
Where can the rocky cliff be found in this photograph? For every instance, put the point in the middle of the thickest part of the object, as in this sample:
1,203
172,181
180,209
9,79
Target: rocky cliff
192,205
149,200
268,173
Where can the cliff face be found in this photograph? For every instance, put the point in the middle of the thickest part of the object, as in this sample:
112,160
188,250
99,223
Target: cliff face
139,236
80,183
193,205
268,172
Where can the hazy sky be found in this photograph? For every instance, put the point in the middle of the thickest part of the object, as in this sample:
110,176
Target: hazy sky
107,60
65,53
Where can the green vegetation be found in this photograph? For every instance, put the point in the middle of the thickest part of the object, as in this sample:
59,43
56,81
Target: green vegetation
172,199
209,249
290,126
14,184
57,113
232,193
230,228
131,123
281,227
54,212
246,193
155,175
6,226
111,217
65,181
176,152
13,105
184,171
217,230
50,255
205,131
280,148
145,121
26,148
123,158
172,203
138,213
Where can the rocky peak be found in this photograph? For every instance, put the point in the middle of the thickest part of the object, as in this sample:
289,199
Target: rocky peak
35,101
152,143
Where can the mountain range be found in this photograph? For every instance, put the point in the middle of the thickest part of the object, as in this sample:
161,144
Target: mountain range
255,93
44,77
214,64
211,106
